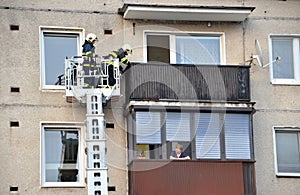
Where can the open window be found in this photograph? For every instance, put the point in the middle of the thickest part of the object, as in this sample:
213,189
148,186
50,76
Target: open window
179,48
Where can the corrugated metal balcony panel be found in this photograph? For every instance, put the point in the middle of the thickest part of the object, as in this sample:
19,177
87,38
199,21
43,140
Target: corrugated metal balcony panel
189,177
249,178
187,82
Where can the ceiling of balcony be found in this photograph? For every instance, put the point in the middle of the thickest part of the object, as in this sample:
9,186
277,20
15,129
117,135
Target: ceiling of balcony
184,13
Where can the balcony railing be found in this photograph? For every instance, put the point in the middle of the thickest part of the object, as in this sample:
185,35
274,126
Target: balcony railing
148,177
153,81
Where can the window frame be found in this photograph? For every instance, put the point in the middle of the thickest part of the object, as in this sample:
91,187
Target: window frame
55,30
193,128
172,39
296,59
81,154
283,128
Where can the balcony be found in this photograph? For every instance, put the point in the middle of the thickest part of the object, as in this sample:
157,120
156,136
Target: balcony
208,83
148,177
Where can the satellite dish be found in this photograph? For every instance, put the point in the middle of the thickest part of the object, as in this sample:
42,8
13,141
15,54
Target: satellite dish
259,56
259,53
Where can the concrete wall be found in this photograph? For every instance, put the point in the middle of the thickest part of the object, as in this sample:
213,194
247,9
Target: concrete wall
20,67
276,105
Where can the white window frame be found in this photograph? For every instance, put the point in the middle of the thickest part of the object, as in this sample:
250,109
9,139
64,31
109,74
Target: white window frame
172,37
282,128
296,56
54,29
81,154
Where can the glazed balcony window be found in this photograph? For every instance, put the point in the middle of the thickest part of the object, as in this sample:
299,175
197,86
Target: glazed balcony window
204,135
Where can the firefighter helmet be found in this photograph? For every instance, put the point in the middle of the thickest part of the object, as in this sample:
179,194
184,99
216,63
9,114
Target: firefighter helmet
91,37
127,47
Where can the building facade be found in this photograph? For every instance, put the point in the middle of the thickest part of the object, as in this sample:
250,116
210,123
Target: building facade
219,77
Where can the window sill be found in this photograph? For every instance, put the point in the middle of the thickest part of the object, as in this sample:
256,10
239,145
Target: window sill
63,185
53,89
285,82
287,175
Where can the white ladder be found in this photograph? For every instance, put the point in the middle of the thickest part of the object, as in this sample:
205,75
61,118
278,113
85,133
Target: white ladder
97,177
96,145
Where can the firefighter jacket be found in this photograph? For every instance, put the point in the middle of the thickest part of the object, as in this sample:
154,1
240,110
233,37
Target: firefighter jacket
121,56
88,49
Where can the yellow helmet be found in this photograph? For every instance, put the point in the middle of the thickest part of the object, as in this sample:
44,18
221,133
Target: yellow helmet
127,47
91,37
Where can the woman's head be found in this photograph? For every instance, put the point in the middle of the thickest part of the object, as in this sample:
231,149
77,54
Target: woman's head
178,148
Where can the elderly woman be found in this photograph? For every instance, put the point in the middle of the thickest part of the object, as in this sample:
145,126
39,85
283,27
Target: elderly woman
178,154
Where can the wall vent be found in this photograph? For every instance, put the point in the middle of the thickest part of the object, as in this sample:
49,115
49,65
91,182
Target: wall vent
14,27
13,188
14,124
112,188
110,125
108,32
15,89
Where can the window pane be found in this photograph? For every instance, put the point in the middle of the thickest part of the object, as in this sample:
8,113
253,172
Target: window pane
197,50
158,48
284,69
186,148
148,129
61,156
178,126
287,148
207,135
237,136
56,48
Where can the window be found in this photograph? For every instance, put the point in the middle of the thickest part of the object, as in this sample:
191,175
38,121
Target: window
56,45
148,128
178,126
287,151
198,50
207,138
203,135
178,131
148,134
287,70
185,48
237,136
62,156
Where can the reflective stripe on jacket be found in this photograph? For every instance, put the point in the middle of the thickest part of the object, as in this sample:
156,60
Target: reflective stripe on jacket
88,49
121,55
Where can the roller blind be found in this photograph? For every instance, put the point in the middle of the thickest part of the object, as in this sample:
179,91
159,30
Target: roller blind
237,136
207,138
148,128
178,126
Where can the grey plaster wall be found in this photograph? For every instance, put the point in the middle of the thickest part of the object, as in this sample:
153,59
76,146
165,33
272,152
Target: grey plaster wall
276,105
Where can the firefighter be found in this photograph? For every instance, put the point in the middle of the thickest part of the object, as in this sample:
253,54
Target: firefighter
121,54
89,62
